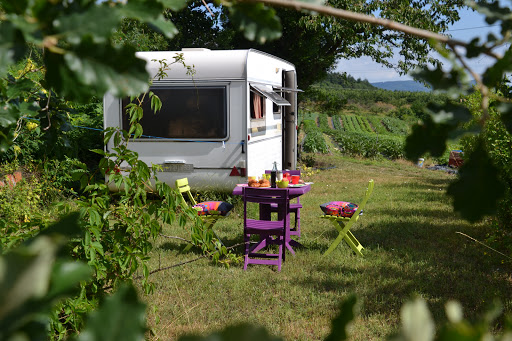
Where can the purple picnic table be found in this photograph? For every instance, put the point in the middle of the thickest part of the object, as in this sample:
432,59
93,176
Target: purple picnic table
294,191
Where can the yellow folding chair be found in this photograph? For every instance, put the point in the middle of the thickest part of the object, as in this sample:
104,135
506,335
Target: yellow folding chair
208,211
343,215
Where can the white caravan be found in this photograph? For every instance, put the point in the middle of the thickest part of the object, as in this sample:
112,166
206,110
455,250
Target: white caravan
235,117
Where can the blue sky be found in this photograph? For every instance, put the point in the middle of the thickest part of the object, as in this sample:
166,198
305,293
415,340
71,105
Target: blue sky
471,24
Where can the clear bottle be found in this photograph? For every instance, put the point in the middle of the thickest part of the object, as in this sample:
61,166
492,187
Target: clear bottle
273,175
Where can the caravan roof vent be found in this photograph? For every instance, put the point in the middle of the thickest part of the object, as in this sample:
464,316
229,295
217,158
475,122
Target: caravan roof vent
195,49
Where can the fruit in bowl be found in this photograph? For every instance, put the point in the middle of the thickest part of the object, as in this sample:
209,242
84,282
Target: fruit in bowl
283,183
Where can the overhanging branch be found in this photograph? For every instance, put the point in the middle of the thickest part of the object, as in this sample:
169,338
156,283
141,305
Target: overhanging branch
353,16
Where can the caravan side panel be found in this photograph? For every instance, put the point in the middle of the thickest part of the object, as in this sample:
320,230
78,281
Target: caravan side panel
265,134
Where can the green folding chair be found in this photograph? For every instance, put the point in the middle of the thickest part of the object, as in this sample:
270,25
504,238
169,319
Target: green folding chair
208,211
343,215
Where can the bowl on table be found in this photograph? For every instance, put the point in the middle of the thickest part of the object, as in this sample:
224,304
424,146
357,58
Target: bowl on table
282,184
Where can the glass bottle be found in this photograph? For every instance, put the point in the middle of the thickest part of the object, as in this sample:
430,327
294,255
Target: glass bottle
273,175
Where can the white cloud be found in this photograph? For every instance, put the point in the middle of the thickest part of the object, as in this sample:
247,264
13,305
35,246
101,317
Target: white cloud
366,68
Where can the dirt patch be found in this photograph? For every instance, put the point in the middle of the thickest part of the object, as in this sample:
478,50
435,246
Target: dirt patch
385,106
329,122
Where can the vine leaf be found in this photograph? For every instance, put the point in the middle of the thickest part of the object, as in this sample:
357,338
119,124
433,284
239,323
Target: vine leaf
417,323
97,22
494,74
31,280
18,87
174,5
150,11
431,135
257,21
478,188
246,332
427,136
14,6
348,311
92,69
506,115
449,113
120,317
12,45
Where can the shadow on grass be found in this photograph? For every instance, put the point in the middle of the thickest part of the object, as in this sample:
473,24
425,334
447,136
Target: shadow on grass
410,250
415,258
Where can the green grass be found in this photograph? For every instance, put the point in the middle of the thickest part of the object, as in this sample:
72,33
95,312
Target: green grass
411,248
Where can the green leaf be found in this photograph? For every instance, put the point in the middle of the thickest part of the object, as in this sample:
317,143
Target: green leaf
506,115
25,274
495,73
98,247
30,109
138,130
67,226
92,69
453,311
20,87
449,113
174,5
438,78
14,6
417,323
454,82
150,12
164,26
257,21
12,45
67,275
9,114
477,190
427,137
340,324
120,317
98,151
97,22
246,332
156,103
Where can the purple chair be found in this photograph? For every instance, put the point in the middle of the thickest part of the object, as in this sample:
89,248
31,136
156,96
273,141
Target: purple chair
269,232
294,207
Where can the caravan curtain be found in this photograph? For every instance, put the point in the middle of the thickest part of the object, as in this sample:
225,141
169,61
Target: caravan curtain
257,105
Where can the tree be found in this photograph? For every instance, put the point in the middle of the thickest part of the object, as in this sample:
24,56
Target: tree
199,27
315,42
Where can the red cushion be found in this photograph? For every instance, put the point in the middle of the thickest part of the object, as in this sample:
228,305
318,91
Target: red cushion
339,208
213,207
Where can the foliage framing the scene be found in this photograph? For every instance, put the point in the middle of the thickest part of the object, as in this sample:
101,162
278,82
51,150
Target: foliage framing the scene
81,61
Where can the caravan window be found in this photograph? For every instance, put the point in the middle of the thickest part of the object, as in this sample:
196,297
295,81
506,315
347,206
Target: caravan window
258,95
187,113
257,105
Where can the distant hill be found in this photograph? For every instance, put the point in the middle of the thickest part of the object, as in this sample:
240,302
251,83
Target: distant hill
412,86
346,81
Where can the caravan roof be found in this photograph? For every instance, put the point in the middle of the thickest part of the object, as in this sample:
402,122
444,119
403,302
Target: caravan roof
216,64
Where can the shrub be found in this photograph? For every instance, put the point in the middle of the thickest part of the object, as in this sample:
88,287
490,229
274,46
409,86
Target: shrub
336,123
314,141
22,201
348,125
377,125
499,145
323,123
395,126
370,145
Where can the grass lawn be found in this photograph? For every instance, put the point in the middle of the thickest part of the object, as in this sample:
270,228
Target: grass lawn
411,248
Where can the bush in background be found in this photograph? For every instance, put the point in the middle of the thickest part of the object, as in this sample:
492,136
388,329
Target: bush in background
370,145
314,141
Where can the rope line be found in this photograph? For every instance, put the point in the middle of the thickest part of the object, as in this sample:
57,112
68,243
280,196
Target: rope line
152,137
